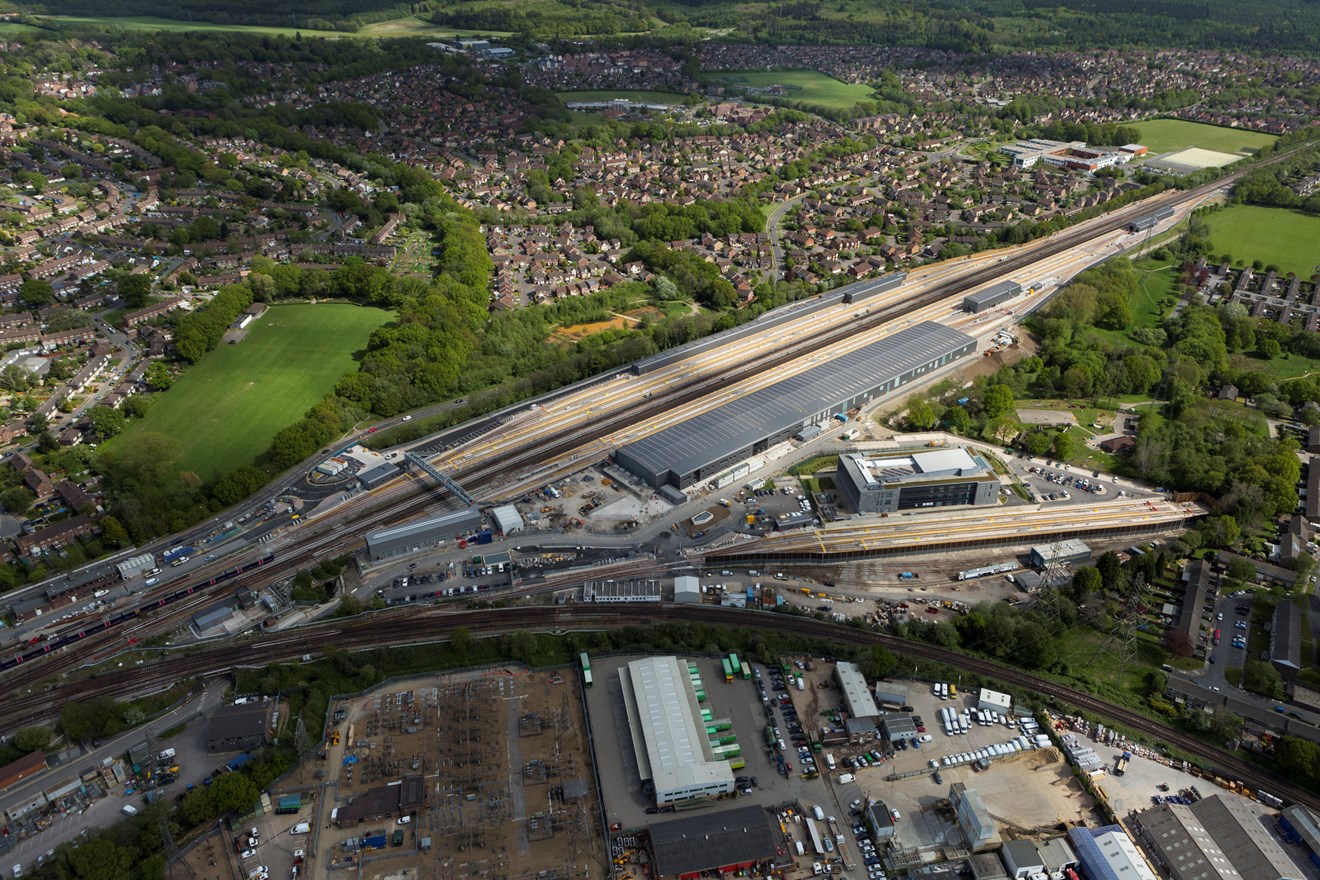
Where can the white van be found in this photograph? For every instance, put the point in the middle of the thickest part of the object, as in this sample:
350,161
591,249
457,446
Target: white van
165,755
128,810
818,813
301,828
151,582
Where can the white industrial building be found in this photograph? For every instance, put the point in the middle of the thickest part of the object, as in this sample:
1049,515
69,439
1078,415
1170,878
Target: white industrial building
687,590
977,825
994,701
135,565
1108,853
507,519
669,738
856,695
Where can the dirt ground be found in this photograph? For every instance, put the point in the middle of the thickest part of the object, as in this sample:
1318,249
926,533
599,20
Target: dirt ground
501,751
205,860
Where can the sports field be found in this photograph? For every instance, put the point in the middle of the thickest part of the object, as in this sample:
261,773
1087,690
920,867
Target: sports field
1167,135
637,96
399,27
226,408
1275,236
805,86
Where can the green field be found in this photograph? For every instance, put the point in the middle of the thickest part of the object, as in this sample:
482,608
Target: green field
226,408
1275,236
640,97
399,27
803,86
1167,135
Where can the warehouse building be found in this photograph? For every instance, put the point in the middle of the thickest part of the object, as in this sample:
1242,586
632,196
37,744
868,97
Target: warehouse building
916,480
407,797
1108,854
994,701
977,825
135,565
991,296
240,727
856,695
1028,858
897,725
705,445
1217,838
738,841
880,822
379,475
1064,552
888,695
673,752
507,519
687,590
1299,826
424,534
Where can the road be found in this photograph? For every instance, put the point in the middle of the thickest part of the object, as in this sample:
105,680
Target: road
193,761
575,429
772,230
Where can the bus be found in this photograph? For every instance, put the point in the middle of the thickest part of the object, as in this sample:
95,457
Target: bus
733,661
585,661
953,692
728,671
746,671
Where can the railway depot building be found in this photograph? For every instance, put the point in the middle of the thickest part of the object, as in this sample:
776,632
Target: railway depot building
673,752
420,535
912,481
703,446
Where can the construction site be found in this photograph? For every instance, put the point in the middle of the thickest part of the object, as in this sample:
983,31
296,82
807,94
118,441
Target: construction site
484,774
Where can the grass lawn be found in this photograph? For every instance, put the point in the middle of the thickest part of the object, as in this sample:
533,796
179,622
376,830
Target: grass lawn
636,96
1275,236
1167,135
226,408
1289,366
805,86
399,27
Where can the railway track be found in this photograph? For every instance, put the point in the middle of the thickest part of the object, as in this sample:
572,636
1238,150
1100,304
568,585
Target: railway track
400,628
483,476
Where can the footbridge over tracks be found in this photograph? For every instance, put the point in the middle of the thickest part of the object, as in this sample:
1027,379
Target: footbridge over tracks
440,477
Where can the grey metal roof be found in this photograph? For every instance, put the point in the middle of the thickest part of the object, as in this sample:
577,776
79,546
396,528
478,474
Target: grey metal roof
712,840
443,526
774,409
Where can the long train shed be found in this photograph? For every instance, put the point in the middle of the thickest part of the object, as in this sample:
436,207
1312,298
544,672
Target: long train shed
683,454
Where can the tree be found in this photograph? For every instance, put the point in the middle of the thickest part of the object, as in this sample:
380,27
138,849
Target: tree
106,421
880,663
920,416
35,293
1063,446
100,859
998,401
1261,677
135,290
158,376
1297,757
1037,442
1225,725
1177,642
233,793
1240,569
31,739
113,533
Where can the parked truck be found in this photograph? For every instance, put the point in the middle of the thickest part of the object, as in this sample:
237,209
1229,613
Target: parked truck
174,553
